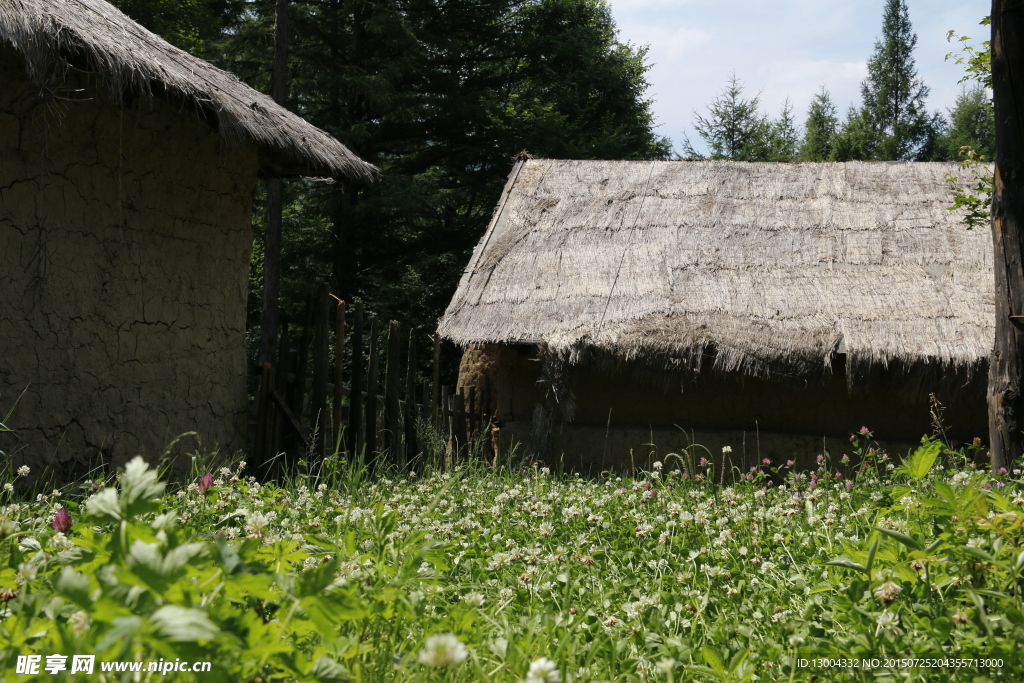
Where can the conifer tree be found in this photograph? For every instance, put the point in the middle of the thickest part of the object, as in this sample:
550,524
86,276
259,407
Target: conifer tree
971,124
734,127
820,129
894,95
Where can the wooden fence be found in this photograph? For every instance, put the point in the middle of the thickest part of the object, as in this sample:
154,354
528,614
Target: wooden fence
326,392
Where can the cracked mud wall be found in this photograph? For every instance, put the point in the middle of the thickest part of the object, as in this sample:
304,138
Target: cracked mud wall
125,236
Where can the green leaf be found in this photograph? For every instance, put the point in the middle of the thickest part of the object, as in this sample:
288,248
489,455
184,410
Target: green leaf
326,670
104,507
979,553
902,538
920,463
849,564
182,624
141,489
871,555
714,660
74,586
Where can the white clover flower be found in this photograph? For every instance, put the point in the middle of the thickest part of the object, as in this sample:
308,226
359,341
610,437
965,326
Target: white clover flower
8,487
474,599
888,620
543,670
726,449
23,471
657,465
665,666
256,522
443,649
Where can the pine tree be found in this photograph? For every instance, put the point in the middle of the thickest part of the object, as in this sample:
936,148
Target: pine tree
971,124
734,128
820,129
894,95
783,139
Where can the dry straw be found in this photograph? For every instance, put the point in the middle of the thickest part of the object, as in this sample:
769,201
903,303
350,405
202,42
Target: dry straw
772,270
59,36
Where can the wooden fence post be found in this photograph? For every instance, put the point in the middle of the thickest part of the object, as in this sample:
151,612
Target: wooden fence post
355,396
435,403
444,424
371,397
459,420
319,418
410,399
392,410
263,408
339,368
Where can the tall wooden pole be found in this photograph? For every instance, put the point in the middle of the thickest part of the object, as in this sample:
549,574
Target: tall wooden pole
275,198
1005,384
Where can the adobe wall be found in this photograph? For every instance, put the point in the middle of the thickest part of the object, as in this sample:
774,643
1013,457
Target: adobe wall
615,413
125,238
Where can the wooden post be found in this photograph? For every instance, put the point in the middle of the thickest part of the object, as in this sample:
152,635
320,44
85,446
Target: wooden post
339,368
263,409
1005,383
443,417
410,399
280,384
459,422
435,402
392,410
318,415
355,394
371,397
297,400
425,406
474,418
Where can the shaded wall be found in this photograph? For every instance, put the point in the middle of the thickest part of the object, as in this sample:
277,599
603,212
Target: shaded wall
124,252
616,413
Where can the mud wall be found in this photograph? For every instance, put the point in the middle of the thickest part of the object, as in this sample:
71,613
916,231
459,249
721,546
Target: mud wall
614,414
125,236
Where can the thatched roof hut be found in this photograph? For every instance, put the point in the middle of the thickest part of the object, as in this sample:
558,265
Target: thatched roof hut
58,37
795,274
128,170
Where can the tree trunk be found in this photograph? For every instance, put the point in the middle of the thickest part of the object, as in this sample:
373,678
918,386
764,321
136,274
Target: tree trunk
275,199
1005,396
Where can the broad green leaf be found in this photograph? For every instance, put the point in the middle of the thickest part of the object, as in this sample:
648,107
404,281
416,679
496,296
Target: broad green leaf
141,489
326,670
182,624
104,507
714,660
74,586
920,463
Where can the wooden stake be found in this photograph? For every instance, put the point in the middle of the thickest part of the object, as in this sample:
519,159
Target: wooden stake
371,397
339,368
392,410
355,395
319,418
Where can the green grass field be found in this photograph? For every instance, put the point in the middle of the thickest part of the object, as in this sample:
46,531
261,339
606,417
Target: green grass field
888,572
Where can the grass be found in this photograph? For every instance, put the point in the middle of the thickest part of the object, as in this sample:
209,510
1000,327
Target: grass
515,574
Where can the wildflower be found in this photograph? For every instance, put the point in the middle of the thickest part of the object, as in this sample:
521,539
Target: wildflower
657,465
23,471
960,617
442,650
726,450
890,621
665,666
887,592
61,521
473,599
543,670
9,487
820,458
865,430
8,594
205,483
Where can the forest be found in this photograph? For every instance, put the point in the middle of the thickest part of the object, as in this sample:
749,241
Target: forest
441,96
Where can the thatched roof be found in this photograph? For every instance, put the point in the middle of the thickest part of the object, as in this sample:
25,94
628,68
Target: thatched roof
768,269
57,35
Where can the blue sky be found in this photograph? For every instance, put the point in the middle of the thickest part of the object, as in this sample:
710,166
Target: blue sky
781,48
